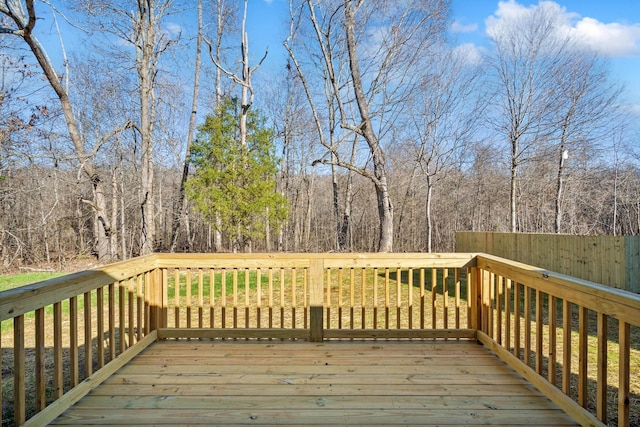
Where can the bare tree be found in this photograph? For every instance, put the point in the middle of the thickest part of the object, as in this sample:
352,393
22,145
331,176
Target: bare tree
244,79
370,87
24,17
444,116
586,112
524,63
181,203
140,28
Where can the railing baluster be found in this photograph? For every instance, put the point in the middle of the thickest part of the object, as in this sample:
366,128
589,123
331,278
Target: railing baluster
553,318
112,321
434,294
363,291
517,297
140,300
176,293
566,347
121,317
583,335
305,297
282,297
73,341
328,297
247,298
19,404
457,296
624,373
387,306
40,379
58,377
507,314
539,333
398,297
130,316
601,384
88,347
422,299
259,297
499,302
340,298
188,301
375,298
200,299
100,326
445,298
235,297
410,296
212,298
352,296
527,325
294,280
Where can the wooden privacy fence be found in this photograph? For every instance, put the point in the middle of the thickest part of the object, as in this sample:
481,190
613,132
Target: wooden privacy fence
610,260
75,331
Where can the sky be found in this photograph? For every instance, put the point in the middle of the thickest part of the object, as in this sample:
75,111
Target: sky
612,27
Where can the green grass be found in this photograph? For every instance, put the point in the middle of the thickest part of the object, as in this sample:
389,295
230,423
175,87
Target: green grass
21,279
15,280
242,279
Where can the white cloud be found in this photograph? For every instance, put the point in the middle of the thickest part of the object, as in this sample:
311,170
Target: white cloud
613,39
458,27
610,39
471,53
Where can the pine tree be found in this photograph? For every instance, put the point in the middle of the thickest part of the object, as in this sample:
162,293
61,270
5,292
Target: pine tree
234,186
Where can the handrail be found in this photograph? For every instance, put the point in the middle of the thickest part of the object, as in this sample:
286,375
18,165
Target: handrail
526,311
113,310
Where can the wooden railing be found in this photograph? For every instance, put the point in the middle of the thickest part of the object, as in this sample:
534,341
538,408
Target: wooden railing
568,337
76,330
315,296
57,333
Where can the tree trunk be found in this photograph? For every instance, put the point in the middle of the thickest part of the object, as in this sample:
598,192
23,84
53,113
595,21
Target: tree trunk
428,206
385,207
145,64
513,215
180,215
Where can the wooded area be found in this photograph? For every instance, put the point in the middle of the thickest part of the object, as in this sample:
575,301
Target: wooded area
387,136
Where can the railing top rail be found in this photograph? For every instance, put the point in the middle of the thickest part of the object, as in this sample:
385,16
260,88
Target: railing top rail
613,302
24,299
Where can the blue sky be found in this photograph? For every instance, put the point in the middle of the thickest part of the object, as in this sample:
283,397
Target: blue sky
610,26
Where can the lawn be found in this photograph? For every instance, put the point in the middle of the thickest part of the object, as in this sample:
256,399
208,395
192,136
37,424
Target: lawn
21,279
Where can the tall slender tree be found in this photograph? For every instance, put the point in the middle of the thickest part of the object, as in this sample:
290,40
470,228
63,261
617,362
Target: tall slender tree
370,77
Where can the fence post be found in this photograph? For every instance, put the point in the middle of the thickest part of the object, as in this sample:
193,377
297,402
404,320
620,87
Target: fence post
316,299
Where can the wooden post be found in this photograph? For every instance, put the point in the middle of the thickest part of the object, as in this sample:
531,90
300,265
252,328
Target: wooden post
316,289
475,298
150,277
163,278
624,374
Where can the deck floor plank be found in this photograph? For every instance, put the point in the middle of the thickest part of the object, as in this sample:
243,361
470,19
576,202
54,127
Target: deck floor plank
302,383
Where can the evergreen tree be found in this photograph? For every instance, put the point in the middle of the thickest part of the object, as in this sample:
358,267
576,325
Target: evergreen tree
234,185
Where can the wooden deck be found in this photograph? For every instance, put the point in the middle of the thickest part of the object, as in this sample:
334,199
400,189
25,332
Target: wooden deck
192,382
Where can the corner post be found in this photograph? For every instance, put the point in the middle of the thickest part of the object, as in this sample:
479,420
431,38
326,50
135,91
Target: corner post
475,298
316,299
